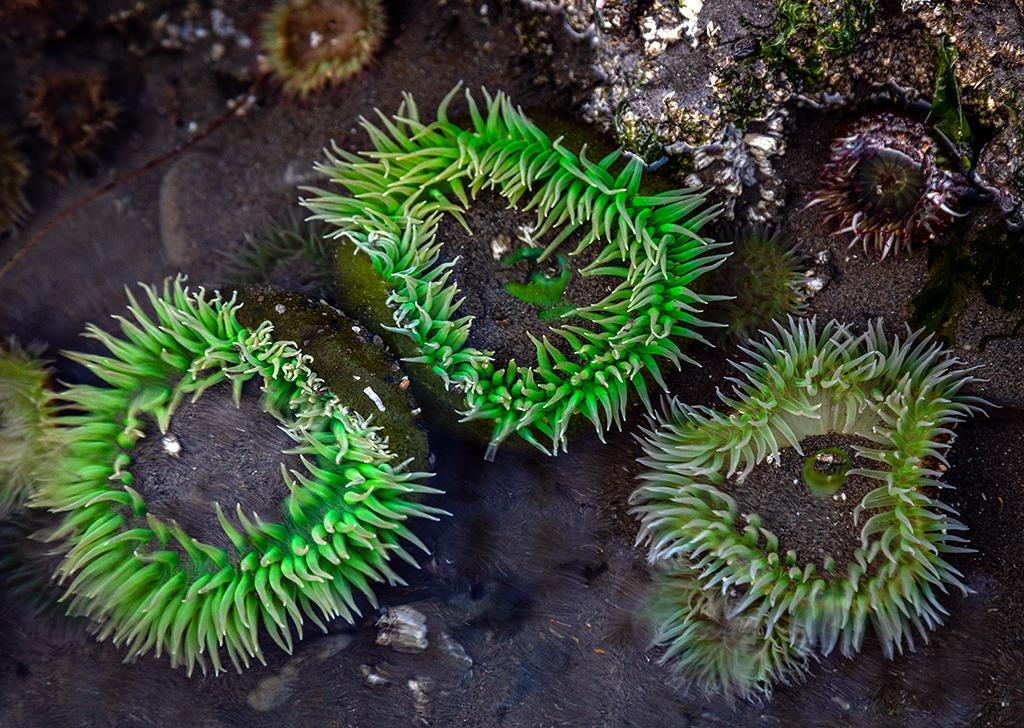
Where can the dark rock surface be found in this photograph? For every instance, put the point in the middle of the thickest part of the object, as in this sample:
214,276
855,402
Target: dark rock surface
534,595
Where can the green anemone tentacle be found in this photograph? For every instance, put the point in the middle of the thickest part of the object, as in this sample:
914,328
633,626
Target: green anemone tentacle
25,417
904,396
724,650
151,586
418,171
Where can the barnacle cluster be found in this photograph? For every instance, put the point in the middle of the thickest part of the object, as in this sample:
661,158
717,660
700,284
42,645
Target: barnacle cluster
13,176
75,115
312,44
885,185
897,401
419,172
25,417
150,583
765,278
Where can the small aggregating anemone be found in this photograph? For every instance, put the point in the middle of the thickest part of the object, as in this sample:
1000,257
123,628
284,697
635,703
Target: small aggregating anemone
765,278
14,174
26,416
885,185
704,496
313,44
150,554
422,173
76,117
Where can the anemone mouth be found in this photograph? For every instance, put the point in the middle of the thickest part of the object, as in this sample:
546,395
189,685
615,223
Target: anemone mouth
26,415
420,173
180,472
512,291
150,554
889,406
810,500
321,30
888,184
315,43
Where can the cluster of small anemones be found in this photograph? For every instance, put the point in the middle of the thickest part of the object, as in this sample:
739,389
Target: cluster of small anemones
884,185
903,396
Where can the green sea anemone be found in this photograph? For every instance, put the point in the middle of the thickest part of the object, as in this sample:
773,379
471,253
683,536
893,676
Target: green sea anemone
13,176
294,257
722,650
25,417
311,44
765,278
149,554
422,174
892,403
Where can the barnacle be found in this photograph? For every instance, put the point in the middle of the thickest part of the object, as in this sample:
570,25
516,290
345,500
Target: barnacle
421,174
13,176
74,114
311,44
893,404
722,650
210,576
294,256
764,276
884,183
25,416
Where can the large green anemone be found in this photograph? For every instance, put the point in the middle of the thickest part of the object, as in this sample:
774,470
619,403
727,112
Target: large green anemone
723,651
25,415
897,401
395,195
151,584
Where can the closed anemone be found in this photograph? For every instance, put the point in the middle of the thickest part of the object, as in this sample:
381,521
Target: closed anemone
877,560
190,532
